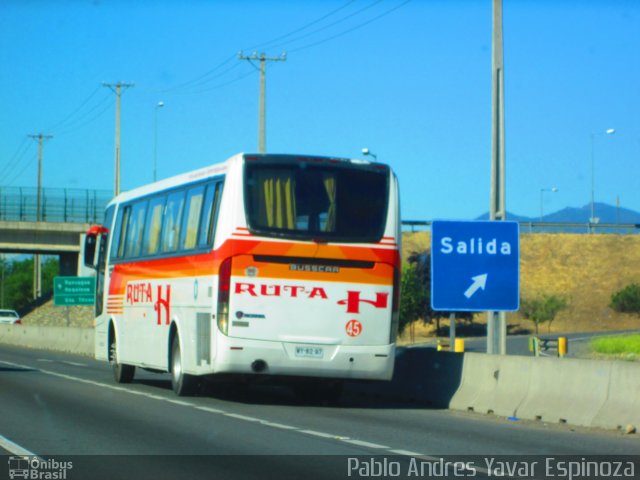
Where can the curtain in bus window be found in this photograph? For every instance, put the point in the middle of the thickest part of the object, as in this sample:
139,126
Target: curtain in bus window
171,223
208,221
135,229
121,230
152,228
192,218
330,186
276,201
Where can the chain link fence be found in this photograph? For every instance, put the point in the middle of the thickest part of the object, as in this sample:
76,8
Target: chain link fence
56,204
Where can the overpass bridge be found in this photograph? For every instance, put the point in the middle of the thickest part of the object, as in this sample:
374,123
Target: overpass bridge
64,216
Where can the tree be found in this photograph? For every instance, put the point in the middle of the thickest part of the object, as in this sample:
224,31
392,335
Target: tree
17,287
419,270
413,297
542,309
627,300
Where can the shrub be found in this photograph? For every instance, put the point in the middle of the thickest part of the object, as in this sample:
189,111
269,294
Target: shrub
627,300
542,309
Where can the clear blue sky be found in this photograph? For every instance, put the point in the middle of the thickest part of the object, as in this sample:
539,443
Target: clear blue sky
409,80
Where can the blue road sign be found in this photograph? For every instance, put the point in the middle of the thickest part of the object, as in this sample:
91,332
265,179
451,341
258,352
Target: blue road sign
475,266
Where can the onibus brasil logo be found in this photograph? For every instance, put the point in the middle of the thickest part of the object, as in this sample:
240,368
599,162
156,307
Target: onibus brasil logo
36,468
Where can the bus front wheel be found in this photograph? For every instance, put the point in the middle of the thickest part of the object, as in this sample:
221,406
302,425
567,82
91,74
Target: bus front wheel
121,373
182,383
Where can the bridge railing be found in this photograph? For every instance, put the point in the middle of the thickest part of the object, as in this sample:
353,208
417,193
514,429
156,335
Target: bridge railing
72,205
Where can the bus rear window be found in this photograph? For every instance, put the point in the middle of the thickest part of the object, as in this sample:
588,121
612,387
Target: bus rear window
344,203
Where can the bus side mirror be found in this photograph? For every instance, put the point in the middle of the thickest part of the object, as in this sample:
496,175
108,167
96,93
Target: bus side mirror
90,243
94,235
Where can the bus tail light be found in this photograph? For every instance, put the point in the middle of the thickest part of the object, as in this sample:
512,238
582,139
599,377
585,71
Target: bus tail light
395,306
224,290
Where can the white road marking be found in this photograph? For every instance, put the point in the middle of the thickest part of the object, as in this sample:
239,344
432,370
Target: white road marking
351,441
278,425
407,453
45,360
362,443
320,434
14,448
241,417
74,364
210,410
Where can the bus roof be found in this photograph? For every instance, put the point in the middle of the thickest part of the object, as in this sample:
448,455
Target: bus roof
222,167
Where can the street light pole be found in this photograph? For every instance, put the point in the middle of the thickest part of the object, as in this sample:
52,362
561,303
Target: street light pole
497,322
542,190
609,131
155,139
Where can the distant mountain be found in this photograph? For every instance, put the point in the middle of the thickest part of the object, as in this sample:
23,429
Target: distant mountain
510,216
604,212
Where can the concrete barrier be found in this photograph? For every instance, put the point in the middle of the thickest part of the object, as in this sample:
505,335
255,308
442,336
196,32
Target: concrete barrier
63,339
493,384
622,406
479,378
566,390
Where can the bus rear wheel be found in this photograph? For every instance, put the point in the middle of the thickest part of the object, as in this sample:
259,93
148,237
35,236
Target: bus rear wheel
182,383
122,373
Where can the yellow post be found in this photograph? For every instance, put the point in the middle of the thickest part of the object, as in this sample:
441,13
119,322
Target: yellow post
562,346
439,346
459,345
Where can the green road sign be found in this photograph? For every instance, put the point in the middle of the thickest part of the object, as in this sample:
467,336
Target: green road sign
74,291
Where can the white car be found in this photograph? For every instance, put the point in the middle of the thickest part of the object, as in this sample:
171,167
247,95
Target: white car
9,317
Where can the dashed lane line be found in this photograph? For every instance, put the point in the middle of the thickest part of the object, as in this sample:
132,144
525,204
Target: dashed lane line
216,411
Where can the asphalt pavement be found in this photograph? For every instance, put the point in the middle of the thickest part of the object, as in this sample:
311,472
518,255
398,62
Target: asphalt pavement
59,406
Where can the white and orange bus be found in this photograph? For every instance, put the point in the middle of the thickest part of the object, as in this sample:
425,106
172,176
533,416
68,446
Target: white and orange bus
264,264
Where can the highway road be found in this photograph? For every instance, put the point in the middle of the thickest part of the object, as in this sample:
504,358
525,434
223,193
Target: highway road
60,406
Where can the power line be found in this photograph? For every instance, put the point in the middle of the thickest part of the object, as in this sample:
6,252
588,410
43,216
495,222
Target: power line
357,27
206,78
333,24
293,32
77,126
220,85
199,78
24,169
76,110
15,158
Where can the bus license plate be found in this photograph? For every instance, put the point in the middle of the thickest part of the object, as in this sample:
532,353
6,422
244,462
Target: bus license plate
309,352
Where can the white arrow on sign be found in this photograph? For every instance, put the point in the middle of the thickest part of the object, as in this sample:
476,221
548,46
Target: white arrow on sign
479,282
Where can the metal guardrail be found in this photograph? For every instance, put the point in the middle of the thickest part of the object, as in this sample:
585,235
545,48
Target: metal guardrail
531,227
540,347
20,204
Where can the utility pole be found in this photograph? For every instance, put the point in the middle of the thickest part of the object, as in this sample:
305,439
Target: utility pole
496,322
37,276
263,59
117,89
40,138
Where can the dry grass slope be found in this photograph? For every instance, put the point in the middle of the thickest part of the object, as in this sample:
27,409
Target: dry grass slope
586,269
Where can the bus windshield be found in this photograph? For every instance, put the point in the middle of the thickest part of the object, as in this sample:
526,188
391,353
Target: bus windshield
346,203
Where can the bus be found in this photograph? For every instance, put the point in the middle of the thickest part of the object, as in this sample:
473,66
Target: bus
262,265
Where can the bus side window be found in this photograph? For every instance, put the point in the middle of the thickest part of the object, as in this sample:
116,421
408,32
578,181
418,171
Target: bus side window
135,230
117,248
210,214
171,222
191,218
153,225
